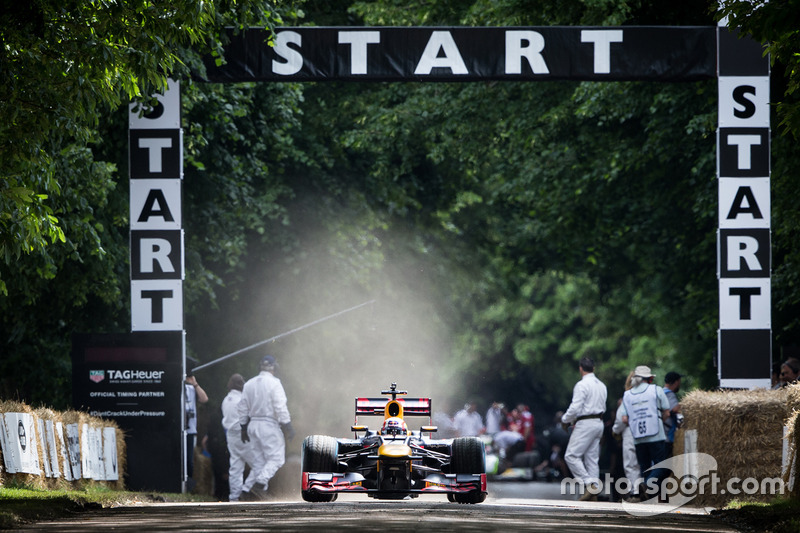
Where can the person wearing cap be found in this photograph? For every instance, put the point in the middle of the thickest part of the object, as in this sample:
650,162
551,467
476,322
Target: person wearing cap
237,449
672,384
586,411
644,407
264,417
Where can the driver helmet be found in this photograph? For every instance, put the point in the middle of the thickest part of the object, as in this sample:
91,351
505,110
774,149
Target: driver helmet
394,426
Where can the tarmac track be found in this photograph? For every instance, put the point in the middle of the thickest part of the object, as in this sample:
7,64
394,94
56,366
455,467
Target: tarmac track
355,515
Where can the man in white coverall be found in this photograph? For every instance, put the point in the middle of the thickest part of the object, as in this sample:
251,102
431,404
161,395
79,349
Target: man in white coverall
586,411
263,416
236,448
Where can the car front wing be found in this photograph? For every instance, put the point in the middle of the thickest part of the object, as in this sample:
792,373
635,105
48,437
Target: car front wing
432,484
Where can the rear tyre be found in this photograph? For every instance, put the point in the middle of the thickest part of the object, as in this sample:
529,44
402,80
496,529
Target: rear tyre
469,457
320,454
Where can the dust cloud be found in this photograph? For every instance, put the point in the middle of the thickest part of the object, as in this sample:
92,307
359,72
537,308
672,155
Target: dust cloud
400,338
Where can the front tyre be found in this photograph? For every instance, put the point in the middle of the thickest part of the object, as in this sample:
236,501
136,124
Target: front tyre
469,457
320,454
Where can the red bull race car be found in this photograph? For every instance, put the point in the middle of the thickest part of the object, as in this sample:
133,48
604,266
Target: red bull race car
393,462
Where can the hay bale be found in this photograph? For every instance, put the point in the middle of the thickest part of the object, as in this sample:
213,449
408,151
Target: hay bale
66,418
83,420
122,458
70,418
791,440
22,479
742,430
54,481
792,392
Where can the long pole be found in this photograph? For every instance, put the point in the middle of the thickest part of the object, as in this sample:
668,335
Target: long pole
280,335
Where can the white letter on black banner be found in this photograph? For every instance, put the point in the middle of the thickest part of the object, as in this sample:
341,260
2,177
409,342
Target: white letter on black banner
441,40
358,41
294,61
602,40
515,51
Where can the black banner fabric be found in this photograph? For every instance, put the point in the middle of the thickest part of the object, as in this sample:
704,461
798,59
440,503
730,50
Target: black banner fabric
658,53
747,352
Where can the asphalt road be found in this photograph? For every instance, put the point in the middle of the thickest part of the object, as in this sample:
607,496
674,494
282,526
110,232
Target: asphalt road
510,507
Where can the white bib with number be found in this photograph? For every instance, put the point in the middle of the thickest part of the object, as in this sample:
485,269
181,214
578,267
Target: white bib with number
642,411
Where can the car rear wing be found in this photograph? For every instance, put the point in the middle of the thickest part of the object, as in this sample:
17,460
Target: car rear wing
377,406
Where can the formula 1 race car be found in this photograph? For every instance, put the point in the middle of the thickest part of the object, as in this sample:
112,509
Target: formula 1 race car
394,462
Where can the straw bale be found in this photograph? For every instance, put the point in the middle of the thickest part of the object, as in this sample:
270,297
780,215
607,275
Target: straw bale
60,482
76,417
792,392
66,418
21,479
791,438
81,418
122,459
742,430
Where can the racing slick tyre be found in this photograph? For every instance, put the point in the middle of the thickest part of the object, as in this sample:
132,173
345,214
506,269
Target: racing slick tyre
469,457
320,454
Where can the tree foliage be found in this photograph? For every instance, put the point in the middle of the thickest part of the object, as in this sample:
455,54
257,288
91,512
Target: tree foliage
67,68
67,64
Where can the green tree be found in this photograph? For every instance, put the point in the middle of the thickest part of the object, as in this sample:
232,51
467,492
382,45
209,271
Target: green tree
64,66
612,182
69,71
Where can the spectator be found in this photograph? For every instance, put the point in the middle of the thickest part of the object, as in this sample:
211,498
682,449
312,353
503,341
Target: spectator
557,434
644,407
554,466
237,449
508,443
790,371
494,418
468,421
263,413
672,384
527,426
776,376
513,422
586,411
193,394
509,440
556,439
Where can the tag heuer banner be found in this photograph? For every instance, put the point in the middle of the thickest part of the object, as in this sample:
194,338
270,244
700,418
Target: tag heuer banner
136,380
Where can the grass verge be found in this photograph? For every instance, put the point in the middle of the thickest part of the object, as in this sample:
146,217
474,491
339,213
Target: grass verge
779,516
20,505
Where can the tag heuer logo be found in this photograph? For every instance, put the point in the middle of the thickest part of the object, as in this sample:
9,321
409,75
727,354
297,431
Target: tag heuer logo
97,375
